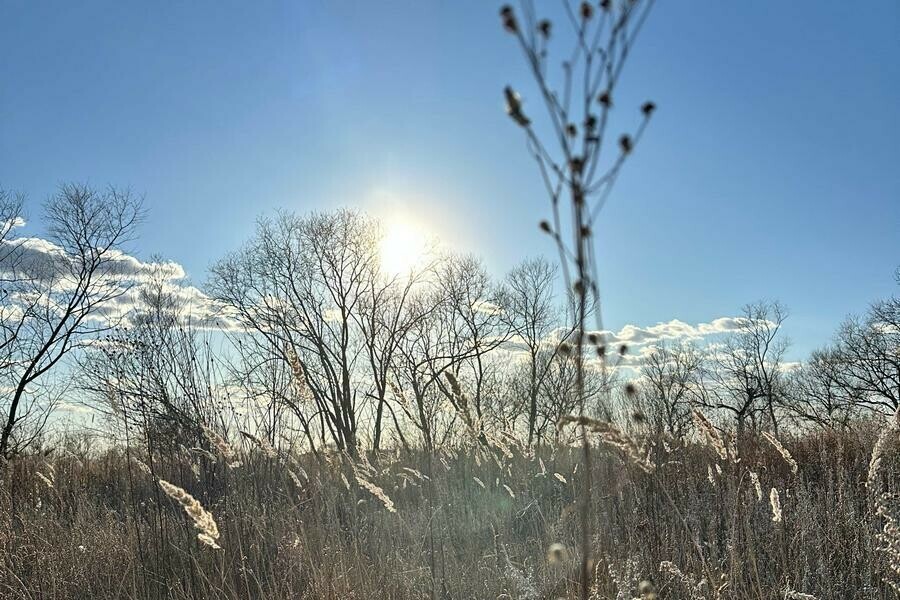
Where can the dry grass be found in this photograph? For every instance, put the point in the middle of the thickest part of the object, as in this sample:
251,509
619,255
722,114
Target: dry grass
467,523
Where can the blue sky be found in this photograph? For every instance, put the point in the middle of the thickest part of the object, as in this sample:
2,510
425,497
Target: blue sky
769,170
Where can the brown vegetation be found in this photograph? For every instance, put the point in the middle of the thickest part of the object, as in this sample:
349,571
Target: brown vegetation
413,525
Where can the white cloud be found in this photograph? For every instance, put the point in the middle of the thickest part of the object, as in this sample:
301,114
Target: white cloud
42,262
636,336
40,259
31,257
129,267
486,307
10,224
74,408
671,330
195,308
791,365
642,340
722,325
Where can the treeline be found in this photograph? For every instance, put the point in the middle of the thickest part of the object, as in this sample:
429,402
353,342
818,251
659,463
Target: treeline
301,338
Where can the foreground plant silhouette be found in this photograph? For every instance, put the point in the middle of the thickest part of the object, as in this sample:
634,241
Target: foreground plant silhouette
578,165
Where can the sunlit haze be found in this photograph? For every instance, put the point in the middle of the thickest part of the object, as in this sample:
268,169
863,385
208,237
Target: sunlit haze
403,245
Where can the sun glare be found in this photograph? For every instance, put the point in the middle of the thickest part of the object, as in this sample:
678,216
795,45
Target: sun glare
402,247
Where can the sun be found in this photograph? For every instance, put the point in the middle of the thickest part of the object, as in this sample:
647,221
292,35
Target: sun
402,247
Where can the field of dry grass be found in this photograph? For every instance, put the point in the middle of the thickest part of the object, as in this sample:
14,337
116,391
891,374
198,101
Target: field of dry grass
479,521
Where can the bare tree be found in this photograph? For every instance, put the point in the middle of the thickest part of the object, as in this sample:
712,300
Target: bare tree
461,328
159,375
816,395
868,349
11,210
11,217
387,312
299,285
560,386
747,371
62,292
532,314
473,317
670,386
276,400
430,349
